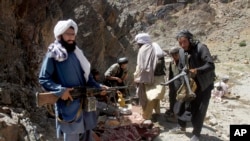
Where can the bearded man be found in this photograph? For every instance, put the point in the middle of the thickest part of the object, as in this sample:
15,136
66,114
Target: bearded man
65,67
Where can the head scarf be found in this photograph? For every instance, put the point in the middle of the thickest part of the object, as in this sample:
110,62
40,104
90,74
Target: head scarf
143,38
63,25
60,54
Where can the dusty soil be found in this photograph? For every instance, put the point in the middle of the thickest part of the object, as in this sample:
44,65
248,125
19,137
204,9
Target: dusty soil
219,116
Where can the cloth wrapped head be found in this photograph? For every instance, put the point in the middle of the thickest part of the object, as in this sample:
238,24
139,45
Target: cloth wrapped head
143,38
62,26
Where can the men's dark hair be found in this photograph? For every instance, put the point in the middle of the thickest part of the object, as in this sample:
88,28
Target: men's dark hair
185,33
95,72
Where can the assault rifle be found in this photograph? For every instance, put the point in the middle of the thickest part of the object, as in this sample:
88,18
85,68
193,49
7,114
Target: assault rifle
77,92
187,79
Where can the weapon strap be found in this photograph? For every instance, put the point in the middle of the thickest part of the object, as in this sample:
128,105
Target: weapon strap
76,117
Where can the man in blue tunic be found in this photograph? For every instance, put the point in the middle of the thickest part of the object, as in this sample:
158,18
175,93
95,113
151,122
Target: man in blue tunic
63,68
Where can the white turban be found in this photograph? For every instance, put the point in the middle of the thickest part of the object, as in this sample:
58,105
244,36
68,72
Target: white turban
143,38
63,25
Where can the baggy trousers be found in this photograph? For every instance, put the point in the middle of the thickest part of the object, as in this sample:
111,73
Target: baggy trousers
199,108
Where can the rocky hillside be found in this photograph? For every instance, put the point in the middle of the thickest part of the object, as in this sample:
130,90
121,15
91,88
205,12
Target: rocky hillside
106,31
26,31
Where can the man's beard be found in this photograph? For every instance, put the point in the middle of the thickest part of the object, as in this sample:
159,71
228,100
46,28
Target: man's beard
67,46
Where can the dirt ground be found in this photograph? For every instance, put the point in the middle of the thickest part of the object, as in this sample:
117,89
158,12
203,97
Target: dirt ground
232,110
219,117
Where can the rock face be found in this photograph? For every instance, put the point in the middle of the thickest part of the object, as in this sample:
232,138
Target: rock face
10,129
106,31
27,29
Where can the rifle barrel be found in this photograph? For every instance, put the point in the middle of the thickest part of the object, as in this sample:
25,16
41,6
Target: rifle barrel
118,87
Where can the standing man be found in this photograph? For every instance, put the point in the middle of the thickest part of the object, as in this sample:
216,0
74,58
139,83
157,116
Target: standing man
148,91
202,69
65,67
175,85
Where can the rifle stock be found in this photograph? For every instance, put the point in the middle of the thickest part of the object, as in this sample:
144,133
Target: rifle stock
50,98
45,98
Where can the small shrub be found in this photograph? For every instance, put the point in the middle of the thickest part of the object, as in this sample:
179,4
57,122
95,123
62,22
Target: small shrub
243,43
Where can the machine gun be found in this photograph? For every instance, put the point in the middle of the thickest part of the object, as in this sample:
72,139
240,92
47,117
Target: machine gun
186,90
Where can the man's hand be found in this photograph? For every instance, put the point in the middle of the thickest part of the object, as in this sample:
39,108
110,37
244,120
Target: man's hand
119,80
104,88
66,95
193,71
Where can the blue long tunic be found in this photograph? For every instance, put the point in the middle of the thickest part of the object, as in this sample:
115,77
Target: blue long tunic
56,77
